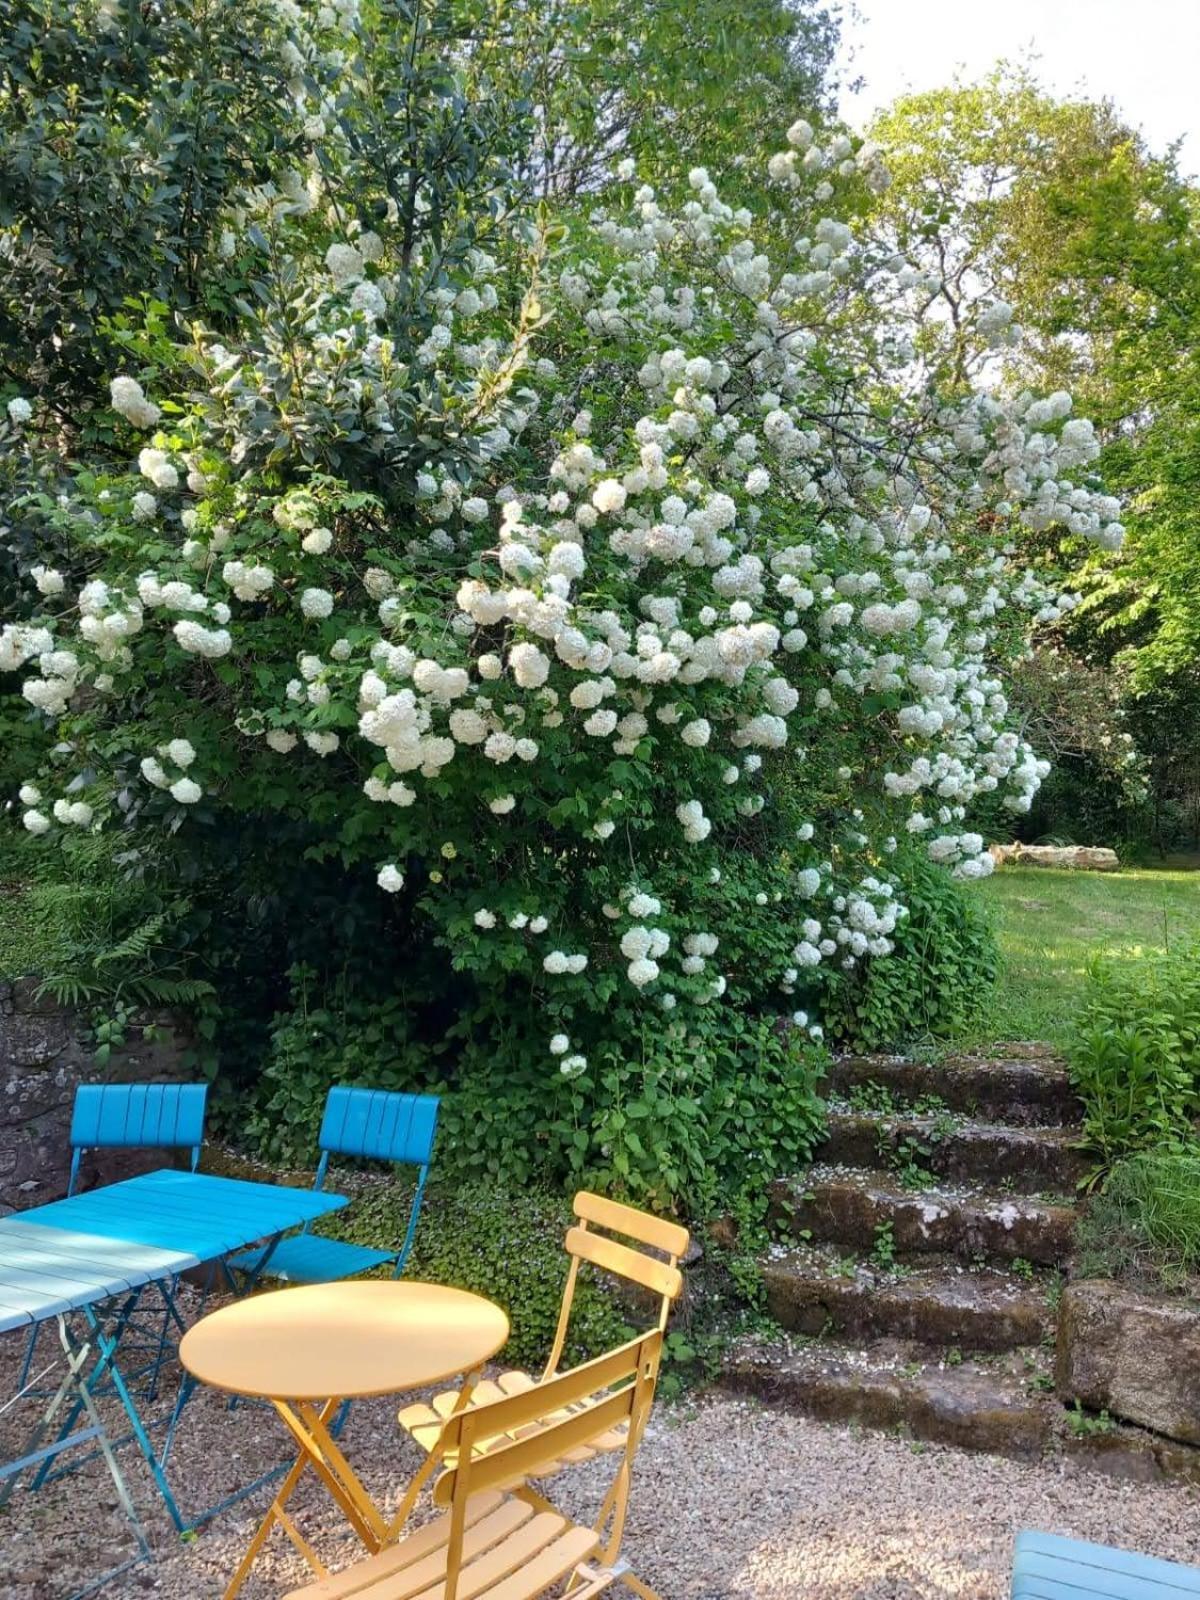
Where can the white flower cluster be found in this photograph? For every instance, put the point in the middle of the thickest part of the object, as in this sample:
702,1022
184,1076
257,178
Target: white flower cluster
678,609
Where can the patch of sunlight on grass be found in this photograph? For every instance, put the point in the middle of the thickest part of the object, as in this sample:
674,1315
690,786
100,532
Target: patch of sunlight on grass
1051,924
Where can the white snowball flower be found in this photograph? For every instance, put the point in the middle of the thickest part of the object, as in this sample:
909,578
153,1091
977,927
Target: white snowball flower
529,666
642,971
186,791
559,1044
19,413
316,603
129,402
390,878
153,464
78,813
49,581
485,919
181,752
644,905
200,641
36,822
601,723
609,495
317,542
345,264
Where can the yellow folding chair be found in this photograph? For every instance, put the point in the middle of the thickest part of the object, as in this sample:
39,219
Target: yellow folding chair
493,1544
659,1277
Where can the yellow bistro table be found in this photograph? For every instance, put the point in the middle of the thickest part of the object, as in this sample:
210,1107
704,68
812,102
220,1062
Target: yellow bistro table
307,1350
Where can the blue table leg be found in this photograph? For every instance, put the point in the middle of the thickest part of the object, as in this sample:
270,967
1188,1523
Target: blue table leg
91,1384
101,1350
39,1454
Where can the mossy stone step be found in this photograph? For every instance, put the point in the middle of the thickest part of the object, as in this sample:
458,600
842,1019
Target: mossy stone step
1031,1160
968,1405
938,1304
1018,1091
848,1207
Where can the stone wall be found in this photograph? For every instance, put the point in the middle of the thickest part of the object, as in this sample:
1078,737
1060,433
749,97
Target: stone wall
44,1055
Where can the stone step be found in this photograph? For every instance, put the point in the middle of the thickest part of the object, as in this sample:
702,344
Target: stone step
848,1207
1029,1160
1017,1090
995,1404
810,1291
967,1403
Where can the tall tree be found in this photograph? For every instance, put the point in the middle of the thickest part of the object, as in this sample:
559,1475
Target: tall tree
1058,209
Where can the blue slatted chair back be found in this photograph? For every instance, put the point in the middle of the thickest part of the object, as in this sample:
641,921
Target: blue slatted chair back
379,1125
148,1116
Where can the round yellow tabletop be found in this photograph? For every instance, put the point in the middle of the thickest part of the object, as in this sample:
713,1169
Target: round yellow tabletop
343,1340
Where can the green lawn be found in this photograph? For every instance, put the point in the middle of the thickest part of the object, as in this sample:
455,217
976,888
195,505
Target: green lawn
1050,924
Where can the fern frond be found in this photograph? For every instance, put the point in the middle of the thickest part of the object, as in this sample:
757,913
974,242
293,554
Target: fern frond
136,945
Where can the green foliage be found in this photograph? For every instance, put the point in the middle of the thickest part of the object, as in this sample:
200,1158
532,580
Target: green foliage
120,140
1145,1222
623,72
503,1242
1088,1424
697,1119
934,984
1135,1053
345,412
883,1251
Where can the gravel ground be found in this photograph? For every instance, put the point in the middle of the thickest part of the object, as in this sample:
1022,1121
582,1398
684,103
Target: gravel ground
731,1502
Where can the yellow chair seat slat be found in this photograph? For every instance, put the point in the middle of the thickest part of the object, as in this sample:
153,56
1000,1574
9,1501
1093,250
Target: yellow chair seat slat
509,1552
490,1516
423,1423
551,1564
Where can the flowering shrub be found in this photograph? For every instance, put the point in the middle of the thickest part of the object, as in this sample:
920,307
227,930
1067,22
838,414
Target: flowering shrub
616,588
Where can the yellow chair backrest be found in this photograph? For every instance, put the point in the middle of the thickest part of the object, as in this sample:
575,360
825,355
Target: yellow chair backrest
557,1416
585,1243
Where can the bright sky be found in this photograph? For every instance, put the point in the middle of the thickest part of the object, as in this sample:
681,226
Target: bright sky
1143,54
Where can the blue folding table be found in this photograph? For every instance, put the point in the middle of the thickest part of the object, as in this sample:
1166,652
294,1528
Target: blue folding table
93,1255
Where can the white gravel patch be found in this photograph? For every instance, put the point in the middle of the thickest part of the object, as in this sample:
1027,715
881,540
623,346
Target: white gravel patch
732,1501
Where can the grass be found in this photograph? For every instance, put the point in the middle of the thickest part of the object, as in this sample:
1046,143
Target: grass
1144,1227
1050,924
50,897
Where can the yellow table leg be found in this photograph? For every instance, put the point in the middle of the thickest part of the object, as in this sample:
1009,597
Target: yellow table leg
308,1428
318,1450
431,1462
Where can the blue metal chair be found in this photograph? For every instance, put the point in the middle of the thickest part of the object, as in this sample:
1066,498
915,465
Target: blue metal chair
135,1116
1049,1567
375,1125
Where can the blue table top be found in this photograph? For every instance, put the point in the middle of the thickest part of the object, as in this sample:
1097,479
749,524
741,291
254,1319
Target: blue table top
74,1252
